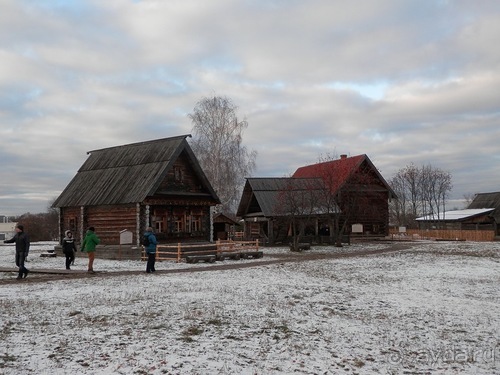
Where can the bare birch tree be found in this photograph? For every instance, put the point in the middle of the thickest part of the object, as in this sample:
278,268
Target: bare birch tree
217,143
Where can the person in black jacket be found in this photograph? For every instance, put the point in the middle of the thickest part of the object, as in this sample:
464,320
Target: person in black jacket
22,248
69,248
149,243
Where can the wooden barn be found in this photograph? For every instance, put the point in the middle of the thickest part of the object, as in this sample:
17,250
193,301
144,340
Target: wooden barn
265,206
360,193
127,188
468,219
489,200
470,224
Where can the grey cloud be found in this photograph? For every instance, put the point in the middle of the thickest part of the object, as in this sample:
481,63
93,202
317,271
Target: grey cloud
83,75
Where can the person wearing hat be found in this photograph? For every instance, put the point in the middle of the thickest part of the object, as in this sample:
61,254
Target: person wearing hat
88,245
22,248
69,248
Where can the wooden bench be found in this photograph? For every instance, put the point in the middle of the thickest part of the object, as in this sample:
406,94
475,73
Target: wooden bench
229,255
252,254
204,258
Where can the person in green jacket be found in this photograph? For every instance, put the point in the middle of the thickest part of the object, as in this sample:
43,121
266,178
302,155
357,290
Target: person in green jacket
88,245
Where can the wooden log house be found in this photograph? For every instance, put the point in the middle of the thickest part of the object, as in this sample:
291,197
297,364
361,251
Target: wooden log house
362,198
156,183
362,193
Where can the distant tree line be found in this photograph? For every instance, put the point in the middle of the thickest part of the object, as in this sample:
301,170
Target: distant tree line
421,191
40,226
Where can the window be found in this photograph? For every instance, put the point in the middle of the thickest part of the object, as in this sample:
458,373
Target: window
179,224
196,223
159,226
72,224
178,174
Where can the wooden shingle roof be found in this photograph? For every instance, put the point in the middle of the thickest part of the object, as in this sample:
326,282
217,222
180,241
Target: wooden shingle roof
127,174
485,200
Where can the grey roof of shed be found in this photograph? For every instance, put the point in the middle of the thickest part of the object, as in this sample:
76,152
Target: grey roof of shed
266,191
127,174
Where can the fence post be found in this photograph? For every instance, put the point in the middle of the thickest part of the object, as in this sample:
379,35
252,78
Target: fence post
178,252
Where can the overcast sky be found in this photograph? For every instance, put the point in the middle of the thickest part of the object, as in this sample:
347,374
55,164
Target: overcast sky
401,81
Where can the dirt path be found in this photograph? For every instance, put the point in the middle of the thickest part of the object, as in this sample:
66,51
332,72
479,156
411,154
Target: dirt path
230,265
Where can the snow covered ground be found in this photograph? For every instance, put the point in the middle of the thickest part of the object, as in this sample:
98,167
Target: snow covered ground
432,309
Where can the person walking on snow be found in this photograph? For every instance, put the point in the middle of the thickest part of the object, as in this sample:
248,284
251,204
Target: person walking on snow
22,248
150,243
69,248
88,245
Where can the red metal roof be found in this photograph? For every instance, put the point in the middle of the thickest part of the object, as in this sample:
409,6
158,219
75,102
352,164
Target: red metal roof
334,173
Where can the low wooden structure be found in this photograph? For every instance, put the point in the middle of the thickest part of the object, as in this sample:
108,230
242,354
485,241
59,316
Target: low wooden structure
208,252
478,222
467,219
442,234
224,225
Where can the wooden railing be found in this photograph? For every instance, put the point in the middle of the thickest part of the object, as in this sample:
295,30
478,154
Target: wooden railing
220,248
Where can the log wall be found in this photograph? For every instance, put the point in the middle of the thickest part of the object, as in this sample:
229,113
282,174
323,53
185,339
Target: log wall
108,221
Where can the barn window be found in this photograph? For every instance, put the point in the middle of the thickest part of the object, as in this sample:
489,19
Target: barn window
72,224
178,175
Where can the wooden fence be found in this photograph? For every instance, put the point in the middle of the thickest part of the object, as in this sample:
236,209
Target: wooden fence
444,234
220,249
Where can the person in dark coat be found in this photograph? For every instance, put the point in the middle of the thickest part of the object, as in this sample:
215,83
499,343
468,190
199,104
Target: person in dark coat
22,248
150,249
69,248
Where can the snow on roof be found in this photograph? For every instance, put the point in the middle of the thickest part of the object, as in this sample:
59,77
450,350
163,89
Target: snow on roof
456,215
